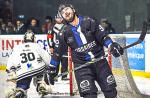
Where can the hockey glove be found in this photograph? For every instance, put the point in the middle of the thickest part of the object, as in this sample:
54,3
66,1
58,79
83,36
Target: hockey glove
12,77
51,69
51,73
116,50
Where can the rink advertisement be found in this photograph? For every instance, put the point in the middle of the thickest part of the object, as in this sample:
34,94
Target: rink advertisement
7,42
136,55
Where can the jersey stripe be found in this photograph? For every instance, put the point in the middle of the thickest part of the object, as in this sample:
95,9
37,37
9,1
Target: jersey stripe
54,62
81,40
31,73
108,42
77,36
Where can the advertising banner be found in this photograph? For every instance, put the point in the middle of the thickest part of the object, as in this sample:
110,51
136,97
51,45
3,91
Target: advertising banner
136,54
7,42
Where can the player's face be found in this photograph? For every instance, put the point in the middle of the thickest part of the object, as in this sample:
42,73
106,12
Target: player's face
67,13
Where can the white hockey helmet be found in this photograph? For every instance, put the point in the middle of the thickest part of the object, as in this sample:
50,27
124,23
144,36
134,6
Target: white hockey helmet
29,37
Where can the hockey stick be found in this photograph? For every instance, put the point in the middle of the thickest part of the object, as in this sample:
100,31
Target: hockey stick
82,66
141,38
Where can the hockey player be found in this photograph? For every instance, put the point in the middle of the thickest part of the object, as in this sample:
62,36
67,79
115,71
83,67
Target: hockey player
58,28
86,41
26,61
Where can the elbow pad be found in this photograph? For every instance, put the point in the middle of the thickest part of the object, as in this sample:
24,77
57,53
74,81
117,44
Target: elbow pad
107,41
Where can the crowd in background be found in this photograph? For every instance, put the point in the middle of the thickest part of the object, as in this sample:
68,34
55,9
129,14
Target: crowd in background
19,26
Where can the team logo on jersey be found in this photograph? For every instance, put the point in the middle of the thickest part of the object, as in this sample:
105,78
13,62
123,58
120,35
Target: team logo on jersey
110,79
85,85
29,66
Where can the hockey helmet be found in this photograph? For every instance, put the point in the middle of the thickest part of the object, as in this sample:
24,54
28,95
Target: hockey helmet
58,15
29,37
63,6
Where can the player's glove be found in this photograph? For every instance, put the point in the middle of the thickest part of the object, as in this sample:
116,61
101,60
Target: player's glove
51,69
116,50
52,72
12,77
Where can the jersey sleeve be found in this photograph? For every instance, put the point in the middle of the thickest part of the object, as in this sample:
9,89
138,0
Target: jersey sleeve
11,61
58,49
100,34
44,54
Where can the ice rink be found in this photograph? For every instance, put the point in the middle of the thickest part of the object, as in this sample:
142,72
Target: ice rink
62,87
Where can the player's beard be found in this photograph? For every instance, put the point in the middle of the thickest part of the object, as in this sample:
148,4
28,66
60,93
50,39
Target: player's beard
71,18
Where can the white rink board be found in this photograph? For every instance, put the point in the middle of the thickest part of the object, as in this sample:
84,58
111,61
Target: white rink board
7,42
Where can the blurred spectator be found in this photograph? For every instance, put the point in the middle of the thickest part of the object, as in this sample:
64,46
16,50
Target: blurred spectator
10,29
6,10
1,20
107,26
2,28
48,23
34,25
43,28
52,39
20,27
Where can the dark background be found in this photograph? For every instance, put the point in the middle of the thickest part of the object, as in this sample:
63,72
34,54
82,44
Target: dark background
114,10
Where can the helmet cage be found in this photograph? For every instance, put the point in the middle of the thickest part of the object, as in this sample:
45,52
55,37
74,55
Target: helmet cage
29,37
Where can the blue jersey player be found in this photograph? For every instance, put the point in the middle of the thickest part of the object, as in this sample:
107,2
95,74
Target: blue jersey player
86,39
